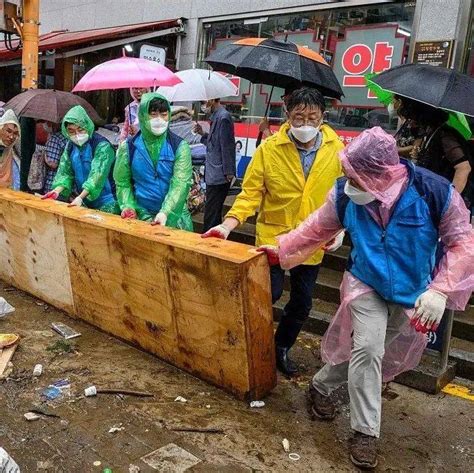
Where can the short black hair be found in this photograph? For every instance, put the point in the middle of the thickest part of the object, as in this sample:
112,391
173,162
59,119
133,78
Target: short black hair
158,105
421,113
306,96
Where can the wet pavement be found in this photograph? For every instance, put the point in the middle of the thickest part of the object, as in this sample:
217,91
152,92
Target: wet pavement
420,432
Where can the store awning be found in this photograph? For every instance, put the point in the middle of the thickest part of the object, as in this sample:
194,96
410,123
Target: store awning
71,43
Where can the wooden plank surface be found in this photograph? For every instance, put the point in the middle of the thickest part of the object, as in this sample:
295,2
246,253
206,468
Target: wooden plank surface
202,305
6,354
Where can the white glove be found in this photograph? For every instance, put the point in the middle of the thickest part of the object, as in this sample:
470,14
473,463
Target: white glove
219,231
77,202
160,219
430,308
335,243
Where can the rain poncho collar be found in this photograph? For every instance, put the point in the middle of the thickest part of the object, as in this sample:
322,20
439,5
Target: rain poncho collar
152,142
77,116
372,161
9,117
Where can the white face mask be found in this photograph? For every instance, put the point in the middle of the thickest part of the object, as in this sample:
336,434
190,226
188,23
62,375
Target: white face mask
304,133
358,196
158,126
205,109
80,138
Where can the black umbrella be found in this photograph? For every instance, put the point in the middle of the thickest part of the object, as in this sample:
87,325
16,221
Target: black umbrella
50,105
276,63
432,85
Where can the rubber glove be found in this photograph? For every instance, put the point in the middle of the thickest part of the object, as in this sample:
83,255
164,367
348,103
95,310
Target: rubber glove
272,254
128,213
335,243
53,195
430,307
220,231
77,202
160,219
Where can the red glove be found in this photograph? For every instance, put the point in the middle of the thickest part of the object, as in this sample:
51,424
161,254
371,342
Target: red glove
128,213
272,254
53,195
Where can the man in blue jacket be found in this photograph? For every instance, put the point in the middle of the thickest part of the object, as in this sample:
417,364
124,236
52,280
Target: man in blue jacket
220,160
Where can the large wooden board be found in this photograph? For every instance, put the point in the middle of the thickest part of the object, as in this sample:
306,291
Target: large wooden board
202,305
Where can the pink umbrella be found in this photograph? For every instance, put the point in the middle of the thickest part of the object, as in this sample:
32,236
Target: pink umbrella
124,73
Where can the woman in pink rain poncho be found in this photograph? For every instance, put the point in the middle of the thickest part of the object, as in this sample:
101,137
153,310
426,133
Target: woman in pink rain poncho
398,281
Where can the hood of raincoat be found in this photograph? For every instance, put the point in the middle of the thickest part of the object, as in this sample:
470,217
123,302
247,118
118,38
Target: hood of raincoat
153,142
372,161
9,117
77,116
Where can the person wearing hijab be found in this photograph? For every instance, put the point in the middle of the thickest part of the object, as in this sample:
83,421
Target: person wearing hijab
9,136
395,289
131,124
85,164
153,171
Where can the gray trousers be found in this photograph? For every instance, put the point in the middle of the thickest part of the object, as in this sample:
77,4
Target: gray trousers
375,323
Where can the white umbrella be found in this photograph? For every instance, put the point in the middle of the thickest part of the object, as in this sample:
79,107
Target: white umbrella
199,85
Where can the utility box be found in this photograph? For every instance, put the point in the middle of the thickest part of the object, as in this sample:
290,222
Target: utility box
8,10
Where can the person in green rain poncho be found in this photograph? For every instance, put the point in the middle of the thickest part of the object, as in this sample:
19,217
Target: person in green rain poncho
85,163
153,170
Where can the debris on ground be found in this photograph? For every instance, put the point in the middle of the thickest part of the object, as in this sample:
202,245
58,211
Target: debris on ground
8,339
124,392
30,416
294,456
5,308
257,404
10,342
200,430
64,330
90,391
180,399
171,457
7,463
51,393
133,469
286,445
116,428
60,347
37,370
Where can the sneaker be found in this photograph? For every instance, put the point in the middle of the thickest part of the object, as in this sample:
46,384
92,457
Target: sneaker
363,450
322,407
284,364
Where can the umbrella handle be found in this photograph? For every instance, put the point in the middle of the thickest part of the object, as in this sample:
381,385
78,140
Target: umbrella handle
260,134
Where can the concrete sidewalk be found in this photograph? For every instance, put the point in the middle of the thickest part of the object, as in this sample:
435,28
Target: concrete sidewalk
419,432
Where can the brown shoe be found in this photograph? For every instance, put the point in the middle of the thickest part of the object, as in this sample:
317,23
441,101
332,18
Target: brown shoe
363,449
322,406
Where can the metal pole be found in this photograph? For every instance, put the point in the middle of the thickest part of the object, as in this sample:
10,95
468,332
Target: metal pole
29,59
449,314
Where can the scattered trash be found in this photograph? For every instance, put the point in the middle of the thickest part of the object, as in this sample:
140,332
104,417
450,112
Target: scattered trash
7,463
6,354
208,406
116,428
97,463
61,346
29,416
8,339
7,371
47,465
133,469
43,413
62,384
107,470
90,391
180,399
171,457
286,445
257,404
38,370
51,393
197,429
294,457
5,308
39,303
64,330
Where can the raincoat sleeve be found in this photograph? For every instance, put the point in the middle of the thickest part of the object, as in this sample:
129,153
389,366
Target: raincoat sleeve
253,190
100,169
65,175
455,274
123,179
180,182
319,228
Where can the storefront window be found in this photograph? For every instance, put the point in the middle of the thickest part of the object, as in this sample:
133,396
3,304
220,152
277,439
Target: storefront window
383,30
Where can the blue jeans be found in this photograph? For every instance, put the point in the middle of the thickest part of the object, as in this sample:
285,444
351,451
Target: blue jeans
296,311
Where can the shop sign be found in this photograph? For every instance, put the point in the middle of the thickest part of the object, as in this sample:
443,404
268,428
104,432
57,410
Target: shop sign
153,53
434,53
362,51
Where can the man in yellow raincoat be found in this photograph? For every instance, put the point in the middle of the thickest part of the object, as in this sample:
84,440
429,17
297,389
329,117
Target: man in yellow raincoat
288,178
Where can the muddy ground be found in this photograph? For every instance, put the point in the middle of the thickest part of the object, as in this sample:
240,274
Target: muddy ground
420,433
